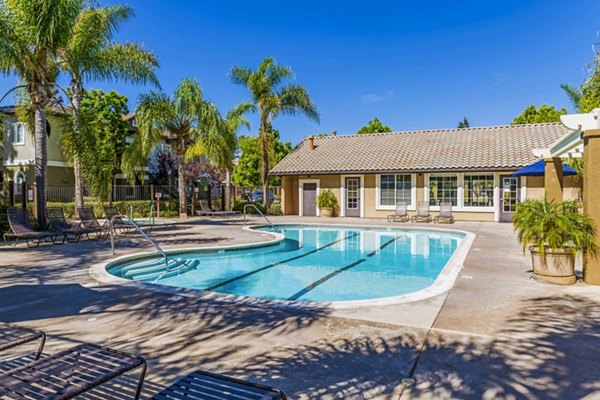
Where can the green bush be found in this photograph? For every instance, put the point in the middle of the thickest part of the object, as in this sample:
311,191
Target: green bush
326,199
169,214
275,209
141,208
250,210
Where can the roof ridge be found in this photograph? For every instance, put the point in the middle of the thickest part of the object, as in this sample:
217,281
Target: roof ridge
474,128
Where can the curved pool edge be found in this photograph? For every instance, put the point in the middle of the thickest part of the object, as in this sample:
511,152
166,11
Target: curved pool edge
442,284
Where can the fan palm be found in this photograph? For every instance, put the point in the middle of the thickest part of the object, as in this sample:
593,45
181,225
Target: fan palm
178,120
31,33
90,54
271,98
219,144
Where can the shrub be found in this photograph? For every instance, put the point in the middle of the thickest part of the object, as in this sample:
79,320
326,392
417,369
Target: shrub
275,209
141,208
250,210
326,199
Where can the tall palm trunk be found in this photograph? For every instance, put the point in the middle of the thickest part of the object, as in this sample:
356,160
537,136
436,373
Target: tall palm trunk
41,163
228,189
264,165
182,186
77,93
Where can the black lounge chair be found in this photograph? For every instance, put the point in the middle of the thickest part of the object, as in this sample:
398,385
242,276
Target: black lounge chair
21,228
58,224
401,213
69,373
13,336
422,214
201,385
91,224
112,213
207,211
445,214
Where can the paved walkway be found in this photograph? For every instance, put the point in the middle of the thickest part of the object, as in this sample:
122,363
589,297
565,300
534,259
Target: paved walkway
496,334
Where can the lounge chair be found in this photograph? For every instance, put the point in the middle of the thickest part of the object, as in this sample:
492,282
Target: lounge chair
58,224
207,211
401,213
445,214
69,373
91,224
422,213
201,385
112,213
21,228
13,336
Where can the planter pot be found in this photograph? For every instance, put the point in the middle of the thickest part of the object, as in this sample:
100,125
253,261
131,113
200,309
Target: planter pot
555,266
326,212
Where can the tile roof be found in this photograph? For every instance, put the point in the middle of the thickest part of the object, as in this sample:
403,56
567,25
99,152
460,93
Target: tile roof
484,148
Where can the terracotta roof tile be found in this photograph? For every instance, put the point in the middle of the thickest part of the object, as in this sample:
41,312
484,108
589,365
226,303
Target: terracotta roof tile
484,148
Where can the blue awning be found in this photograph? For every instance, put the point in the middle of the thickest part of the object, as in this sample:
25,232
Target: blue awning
538,168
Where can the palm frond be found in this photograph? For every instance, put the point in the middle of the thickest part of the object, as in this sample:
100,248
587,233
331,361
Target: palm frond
294,99
574,94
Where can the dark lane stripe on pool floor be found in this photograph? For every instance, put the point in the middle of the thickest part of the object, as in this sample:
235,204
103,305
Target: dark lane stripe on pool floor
327,277
247,274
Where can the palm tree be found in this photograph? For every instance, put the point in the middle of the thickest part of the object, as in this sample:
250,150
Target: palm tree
178,120
219,143
270,98
90,54
31,33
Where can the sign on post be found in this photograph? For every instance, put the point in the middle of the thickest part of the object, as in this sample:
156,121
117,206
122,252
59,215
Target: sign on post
158,195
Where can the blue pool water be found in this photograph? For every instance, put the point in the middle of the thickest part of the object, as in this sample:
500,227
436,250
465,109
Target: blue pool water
312,263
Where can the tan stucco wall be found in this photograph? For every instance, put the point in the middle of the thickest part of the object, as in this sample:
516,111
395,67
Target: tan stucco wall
56,175
535,188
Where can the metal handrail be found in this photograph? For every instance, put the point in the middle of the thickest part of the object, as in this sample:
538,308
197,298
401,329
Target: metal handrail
137,227
260,212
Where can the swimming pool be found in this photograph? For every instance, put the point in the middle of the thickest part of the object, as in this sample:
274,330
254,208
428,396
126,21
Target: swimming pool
309,263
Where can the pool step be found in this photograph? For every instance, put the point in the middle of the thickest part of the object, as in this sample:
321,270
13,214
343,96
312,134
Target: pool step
175,268
150,267
136,266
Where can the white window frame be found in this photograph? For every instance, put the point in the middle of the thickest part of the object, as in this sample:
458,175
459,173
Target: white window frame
16,126
413,193
478,208
459,194
301,183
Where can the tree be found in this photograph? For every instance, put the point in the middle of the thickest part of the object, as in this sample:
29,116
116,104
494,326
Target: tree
464,123
271,98
31,34
100,140
179,120
587,96
90,54
374,126
219,144
533,115
247,171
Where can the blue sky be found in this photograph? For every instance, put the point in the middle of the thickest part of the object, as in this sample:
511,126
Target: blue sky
413,64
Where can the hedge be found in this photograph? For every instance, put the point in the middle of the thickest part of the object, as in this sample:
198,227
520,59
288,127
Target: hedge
250,210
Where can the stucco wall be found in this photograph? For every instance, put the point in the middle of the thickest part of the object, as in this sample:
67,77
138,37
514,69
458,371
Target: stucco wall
535,188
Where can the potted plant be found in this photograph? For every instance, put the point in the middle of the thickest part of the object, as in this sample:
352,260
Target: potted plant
554,232
327,203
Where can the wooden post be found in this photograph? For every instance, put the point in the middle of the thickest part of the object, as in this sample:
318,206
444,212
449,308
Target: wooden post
553,179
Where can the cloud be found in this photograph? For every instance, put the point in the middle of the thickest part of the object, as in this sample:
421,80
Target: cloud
374,97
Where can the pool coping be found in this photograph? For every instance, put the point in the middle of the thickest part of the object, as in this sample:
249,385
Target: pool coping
442,284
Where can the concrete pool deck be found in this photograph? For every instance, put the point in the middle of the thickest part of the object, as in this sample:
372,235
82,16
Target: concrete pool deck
496,334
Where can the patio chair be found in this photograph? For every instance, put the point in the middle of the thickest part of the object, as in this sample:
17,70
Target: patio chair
401,213
111,212
91,224
58,224
422,213
69,373
13,336
207,211
445,214
20,228
201,385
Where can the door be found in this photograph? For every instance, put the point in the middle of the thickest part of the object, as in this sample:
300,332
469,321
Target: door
309,199
352,197
509,197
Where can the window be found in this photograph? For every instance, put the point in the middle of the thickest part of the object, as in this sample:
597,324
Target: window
394,189
443,188
479,190
19,134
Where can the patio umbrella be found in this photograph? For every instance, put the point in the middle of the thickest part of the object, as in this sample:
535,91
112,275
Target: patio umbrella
538,168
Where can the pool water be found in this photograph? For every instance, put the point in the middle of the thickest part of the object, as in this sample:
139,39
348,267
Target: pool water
312,263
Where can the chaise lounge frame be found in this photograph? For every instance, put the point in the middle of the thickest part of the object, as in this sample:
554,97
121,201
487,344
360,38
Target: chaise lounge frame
20,228
13,336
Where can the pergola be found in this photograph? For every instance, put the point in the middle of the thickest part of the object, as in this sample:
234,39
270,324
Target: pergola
582,141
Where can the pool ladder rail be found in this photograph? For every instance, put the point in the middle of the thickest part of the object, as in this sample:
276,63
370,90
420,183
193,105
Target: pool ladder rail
260,212
137,228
